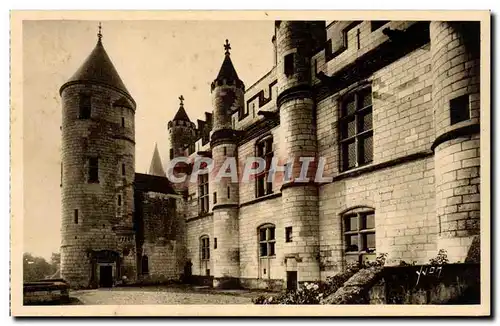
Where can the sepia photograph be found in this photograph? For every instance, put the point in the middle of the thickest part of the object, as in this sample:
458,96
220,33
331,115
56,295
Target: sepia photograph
250,163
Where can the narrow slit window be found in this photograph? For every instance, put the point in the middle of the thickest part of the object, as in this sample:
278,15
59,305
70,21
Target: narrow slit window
123,122
288,234
228,192
76,216
93,165
85,106
459,109
123,168
215,198
289,64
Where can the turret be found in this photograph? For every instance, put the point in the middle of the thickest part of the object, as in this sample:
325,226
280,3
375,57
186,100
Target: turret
227,97
296,41
98,157
455,98
181,133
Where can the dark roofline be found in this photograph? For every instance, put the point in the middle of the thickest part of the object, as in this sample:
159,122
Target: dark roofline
147,182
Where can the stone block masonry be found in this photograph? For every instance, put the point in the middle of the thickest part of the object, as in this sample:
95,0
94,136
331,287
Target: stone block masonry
455,98
91,209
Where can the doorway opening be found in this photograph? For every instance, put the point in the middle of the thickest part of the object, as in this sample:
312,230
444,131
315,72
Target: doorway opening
106,276
291,281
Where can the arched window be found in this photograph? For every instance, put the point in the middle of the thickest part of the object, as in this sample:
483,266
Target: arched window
359,233
264,149
267,240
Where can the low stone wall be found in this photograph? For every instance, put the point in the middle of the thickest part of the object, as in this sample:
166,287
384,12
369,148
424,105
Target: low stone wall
426,284
262,284
201,280
418,284
45,292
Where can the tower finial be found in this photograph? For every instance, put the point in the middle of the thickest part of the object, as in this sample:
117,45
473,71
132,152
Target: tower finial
181,98
99,34
227,47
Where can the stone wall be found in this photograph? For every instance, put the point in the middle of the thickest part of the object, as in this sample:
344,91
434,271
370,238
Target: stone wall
160,238
425,284
196,228
403,200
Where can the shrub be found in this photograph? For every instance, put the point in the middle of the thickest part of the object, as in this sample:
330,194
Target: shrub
440,259
313,293
308,293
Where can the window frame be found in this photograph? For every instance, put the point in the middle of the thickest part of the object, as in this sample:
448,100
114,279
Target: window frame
267,154
204,248
288,234
269,242
361,232
85,106
358,136
203,194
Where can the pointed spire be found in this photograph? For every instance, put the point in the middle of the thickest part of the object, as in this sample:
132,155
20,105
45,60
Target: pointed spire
181,114
99,34
227,47
156,167
99,69
227,74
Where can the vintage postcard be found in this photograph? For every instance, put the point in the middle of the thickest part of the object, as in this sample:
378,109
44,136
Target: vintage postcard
250,163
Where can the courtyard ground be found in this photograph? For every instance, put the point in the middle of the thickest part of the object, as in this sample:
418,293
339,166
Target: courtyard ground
163,295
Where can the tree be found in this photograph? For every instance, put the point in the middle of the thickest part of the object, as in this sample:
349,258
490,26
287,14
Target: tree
55,259
35,268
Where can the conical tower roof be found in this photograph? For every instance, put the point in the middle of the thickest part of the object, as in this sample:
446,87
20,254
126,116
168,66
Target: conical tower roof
227,70
181,114
98,69
227,74
156,167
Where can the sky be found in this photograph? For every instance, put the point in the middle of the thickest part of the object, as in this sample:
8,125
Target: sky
157,60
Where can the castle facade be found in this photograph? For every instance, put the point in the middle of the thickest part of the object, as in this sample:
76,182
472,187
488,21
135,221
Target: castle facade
388,110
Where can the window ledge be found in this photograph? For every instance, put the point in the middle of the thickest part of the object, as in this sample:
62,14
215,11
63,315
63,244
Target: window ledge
378,166
261,198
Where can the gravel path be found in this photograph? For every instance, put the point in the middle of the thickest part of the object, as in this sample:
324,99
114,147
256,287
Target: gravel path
162,295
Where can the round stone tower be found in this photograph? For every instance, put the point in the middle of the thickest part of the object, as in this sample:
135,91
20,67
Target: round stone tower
297,121
455,97
98,158
227,97
181,134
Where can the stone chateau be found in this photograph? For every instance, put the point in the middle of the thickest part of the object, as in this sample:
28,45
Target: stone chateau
393,108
